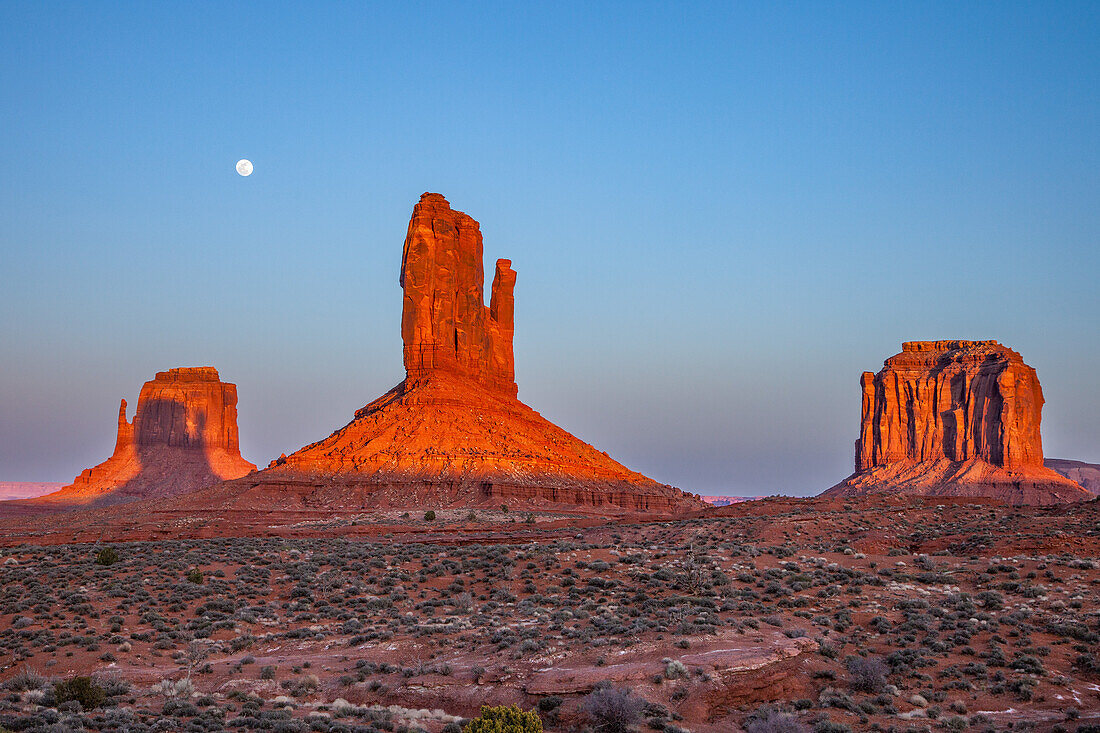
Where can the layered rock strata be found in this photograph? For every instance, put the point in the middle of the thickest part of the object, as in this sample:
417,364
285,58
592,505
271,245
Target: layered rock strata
453,433
183,438
955,418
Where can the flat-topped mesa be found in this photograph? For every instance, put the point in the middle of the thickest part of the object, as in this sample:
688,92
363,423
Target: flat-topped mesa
951,399
445,324
955,418
183,438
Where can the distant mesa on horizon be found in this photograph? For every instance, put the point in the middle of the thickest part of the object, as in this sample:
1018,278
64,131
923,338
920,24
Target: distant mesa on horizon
955,418
727,500
1085,474
11,490
183,438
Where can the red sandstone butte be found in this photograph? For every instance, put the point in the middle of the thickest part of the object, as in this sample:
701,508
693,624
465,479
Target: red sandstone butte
183,438
955,418
453,433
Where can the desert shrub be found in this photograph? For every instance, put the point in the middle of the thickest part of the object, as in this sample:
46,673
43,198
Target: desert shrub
675,669
504,719
302,686
194,575
26,679
82,689
868,674
990,600
1022,688
107,556
172,689
179,708
429,516
613,710
267,672
1077,631
828,726
1027,663
881,624
769,720
113,685
549,703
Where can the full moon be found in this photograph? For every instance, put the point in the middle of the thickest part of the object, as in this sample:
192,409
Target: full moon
244,167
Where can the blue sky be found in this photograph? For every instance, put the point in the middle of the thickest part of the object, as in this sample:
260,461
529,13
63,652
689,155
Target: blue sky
721,214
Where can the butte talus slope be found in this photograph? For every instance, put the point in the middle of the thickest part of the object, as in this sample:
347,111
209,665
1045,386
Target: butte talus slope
183,438
452,433
955,418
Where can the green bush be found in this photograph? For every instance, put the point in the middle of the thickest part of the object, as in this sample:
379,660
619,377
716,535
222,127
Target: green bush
194,575
504,719
107,556
82,689
429,516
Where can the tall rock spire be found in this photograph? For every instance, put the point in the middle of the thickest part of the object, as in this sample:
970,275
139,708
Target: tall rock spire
453,433
445,324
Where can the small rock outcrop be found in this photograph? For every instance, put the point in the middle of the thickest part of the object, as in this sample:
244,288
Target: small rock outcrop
452,433
183,438
955,418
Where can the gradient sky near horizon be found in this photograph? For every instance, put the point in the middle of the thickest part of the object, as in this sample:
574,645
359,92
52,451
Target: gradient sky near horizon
720,213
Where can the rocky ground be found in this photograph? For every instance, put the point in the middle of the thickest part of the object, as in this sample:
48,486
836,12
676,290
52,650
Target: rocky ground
778,615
